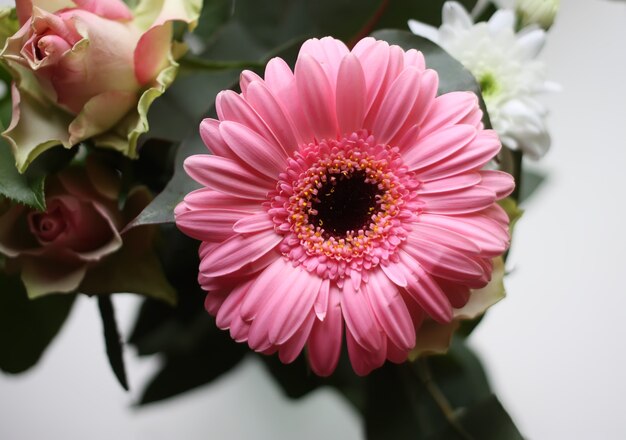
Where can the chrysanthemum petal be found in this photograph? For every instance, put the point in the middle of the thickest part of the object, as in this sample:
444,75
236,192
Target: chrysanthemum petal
238,251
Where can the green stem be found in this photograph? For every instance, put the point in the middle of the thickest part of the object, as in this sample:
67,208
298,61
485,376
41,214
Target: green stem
195,63
425,376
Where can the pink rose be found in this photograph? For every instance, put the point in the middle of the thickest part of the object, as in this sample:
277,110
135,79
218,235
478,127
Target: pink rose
81,224
88,69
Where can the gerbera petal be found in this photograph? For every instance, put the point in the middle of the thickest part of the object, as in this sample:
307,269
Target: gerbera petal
350,95
238,251
328,52
397,104
253,223
449,109
364,361
230,307
246,78
271,111
324,345
455,183
227,176
317,97
375,55
463,201
296,304
210,134
502,183
289,351
258,337
214,300
438,146
444,262
473,156
267,282
281,82
360,319
485,233
209,224
207,198
395,65
231,106
321,302
265,157
390,310
426,292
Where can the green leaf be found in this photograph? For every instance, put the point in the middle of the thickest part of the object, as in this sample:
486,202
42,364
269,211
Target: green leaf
27,326
112,339
18,187
486,420
452,75
434,398
214,14
398,13
181,373
127,272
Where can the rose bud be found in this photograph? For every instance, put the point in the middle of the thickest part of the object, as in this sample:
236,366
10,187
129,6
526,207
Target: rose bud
88,69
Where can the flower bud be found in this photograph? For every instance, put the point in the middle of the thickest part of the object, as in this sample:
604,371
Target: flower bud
539,12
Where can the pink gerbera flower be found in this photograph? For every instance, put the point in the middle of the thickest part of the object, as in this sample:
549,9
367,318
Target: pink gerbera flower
345,192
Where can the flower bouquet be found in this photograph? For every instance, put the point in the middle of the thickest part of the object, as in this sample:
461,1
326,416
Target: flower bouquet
329,186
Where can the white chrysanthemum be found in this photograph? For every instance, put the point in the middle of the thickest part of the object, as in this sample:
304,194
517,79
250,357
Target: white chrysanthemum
504,64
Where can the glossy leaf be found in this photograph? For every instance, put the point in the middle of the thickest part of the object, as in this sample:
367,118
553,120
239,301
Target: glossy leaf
27,326
112,339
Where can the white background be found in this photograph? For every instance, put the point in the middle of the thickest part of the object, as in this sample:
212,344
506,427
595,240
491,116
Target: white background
554,349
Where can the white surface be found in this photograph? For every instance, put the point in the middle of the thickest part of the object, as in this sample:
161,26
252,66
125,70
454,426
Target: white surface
554,348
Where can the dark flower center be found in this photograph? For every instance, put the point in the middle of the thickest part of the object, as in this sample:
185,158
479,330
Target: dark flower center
346,202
